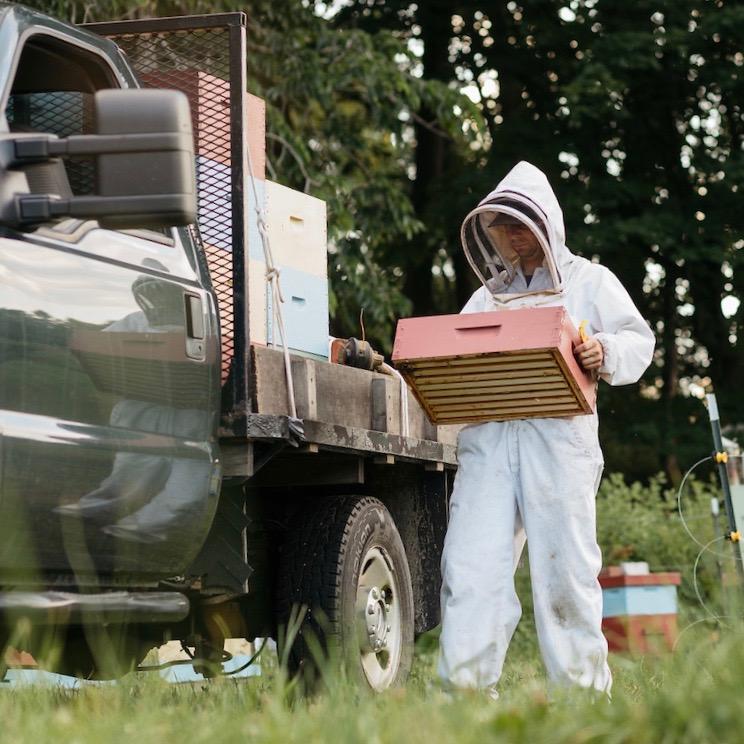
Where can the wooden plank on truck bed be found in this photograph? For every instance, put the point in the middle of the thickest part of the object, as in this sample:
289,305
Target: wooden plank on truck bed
377,442
343,395
348,440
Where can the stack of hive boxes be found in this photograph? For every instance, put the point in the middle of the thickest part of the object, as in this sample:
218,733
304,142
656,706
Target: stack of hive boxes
297,235
296,223
639,609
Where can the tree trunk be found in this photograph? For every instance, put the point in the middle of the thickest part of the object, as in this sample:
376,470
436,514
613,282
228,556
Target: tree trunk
432,151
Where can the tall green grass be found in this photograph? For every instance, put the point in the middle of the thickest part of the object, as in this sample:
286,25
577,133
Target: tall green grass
693,695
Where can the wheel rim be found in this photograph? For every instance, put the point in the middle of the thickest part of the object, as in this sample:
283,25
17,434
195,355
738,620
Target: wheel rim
378,619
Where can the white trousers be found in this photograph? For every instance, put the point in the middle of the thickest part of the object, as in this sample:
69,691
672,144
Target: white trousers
535,479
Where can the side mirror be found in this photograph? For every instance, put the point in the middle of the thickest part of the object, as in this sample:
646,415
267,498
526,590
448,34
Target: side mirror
145,172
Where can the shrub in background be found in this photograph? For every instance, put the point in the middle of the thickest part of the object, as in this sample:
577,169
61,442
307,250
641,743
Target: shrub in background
638,522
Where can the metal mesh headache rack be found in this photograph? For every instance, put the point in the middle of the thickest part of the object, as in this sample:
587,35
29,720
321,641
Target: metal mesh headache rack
203,56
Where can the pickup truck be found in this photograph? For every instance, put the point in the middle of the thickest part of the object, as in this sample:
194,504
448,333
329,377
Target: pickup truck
160,479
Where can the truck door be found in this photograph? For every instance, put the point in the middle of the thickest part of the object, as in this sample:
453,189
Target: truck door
109,377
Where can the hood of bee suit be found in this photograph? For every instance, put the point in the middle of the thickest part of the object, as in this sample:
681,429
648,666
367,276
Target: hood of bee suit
525,196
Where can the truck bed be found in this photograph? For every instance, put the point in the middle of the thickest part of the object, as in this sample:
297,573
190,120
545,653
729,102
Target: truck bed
341,408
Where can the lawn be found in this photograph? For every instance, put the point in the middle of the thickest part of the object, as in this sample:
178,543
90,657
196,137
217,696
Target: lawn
694,695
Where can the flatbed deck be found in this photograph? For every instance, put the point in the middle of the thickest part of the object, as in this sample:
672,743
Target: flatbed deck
341,409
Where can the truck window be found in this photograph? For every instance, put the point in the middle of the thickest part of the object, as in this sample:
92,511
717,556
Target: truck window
52,92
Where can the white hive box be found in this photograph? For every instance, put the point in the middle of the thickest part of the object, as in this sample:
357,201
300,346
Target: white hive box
297,230
305,313
296,225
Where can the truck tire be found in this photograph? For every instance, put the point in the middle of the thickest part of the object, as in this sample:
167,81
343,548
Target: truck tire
344,562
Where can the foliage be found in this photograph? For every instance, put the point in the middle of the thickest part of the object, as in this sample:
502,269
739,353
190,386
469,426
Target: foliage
341,127
641,523
634,113
339,106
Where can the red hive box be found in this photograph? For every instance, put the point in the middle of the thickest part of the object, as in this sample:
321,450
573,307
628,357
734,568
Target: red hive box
494,366
640,612
640,634
209,97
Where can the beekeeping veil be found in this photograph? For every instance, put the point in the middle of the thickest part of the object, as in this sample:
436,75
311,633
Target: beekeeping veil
523,196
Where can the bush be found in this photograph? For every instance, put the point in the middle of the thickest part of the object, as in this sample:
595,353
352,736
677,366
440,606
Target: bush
642,523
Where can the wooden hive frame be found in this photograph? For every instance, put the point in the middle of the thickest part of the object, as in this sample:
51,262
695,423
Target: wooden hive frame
494,366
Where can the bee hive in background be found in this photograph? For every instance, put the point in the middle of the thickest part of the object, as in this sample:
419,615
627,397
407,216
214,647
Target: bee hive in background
494,366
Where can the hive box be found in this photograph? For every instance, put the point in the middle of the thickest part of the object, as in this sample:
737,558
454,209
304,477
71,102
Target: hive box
640,611
209,98
640,634
494,366
297,229
296,225
305,313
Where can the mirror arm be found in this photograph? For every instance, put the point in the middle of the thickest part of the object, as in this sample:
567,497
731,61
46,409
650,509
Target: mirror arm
30,149
38,208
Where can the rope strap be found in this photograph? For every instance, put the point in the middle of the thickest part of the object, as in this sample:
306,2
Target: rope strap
272,277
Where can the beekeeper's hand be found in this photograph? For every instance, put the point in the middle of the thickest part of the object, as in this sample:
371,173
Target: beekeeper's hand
590,354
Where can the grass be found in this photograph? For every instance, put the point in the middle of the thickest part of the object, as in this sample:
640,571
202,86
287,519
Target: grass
694,695
691,696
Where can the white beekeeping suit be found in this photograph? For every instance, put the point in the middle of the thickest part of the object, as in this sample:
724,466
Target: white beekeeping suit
534,476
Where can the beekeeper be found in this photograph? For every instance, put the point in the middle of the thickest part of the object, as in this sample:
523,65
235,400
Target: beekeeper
536,478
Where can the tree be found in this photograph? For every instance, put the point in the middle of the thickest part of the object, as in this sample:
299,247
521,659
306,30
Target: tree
341,105
659,151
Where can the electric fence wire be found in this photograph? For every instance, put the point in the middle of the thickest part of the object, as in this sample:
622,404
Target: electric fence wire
681,514
711,615
687,627
700,599
703,549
